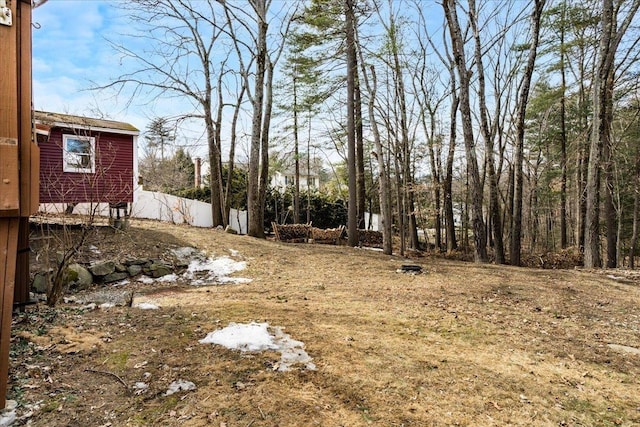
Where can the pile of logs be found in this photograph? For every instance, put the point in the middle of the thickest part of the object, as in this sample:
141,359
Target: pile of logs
292,233
370,238
329,236
302,233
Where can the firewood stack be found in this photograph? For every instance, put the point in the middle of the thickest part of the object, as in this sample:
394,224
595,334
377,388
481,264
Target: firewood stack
292,233
370,238
330,236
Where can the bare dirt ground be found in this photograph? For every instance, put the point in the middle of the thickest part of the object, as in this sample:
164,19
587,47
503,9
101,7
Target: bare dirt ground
460,344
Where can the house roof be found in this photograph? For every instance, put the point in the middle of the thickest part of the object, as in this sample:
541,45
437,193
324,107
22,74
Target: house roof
46,120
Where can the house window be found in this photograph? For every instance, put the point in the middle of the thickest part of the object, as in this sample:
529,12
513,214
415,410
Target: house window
78,154
312,182
289,180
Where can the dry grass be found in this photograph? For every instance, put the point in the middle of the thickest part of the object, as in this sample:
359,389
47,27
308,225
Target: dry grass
460,344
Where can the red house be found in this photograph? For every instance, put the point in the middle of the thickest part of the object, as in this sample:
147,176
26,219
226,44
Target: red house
85,160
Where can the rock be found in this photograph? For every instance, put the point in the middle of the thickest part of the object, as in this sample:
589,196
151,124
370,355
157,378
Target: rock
69,277
115,276
183,255
134,269
40,283
130,262
120,268
158,269
84,278
102,268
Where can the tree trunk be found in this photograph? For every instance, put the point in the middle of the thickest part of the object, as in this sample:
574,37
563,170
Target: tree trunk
494,205
609,184
563,135
467,126
600,145
352,219
296,155
516,229
254,208
360,180
264,142
385,186
447,184
599,134
218,144
214,162
636,211
232,150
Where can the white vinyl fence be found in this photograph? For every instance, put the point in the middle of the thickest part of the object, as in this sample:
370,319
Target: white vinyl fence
162,207
178,210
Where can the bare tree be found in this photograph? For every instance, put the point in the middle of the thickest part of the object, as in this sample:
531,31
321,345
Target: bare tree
352,218
383,178
600,143
636,210
523,97
249,31
464,75
178,60
443,178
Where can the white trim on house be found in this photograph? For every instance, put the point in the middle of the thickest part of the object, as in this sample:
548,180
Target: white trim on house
71,159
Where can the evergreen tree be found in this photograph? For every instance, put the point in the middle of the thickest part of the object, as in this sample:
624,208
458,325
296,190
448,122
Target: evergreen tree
160,136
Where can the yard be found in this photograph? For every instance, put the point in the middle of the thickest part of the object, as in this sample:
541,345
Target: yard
459,344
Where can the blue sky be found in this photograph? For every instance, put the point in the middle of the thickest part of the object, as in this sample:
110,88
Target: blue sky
68,52
71,53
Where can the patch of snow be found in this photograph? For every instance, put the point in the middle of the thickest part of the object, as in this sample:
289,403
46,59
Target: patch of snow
204,271
146,306
292,352
180,385
140,387
121,283
106,305
369,248
256,337
169,278
251,337
8,414
222,266
234,280
184,252
146,280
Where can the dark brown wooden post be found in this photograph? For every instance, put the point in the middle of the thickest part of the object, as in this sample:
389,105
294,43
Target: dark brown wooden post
19,160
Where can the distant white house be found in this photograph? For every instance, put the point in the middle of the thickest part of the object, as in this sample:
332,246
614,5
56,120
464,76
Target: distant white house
287,177
282,180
